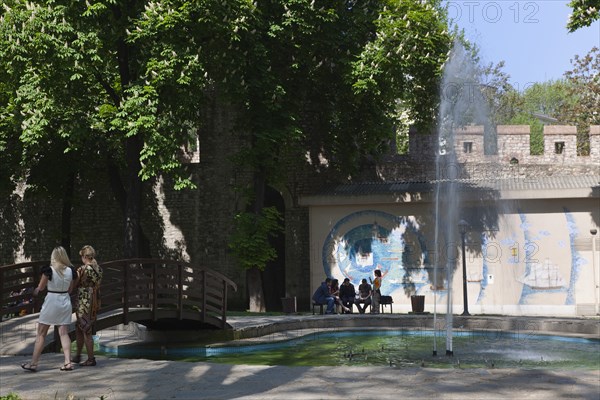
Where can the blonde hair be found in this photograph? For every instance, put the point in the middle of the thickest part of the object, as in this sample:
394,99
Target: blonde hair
89,253
59,259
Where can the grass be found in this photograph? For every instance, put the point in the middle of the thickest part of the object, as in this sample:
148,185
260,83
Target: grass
10,396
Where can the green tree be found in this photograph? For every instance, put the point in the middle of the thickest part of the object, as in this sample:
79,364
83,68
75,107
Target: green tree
126,80
585,12
323,79
539,102
82,78
583,92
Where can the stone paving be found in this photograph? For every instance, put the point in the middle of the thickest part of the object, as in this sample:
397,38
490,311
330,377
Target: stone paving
142,379
115,378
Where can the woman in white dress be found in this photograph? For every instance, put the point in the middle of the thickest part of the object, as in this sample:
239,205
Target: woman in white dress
57,308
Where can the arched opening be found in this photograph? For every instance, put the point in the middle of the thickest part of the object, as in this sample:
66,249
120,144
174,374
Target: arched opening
273,277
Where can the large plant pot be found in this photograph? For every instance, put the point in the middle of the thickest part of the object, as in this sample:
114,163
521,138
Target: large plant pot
417,303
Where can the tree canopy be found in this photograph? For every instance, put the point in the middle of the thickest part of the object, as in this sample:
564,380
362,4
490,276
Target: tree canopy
585,12
126,79
538,102
573,100
584,90
92,78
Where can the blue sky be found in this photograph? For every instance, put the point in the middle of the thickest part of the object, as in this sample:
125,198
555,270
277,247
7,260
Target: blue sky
530,36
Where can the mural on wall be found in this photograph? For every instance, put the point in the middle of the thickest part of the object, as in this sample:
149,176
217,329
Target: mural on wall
542,274
484,281
367,240
576,260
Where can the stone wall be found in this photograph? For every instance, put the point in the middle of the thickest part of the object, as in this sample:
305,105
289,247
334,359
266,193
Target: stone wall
195,225
513,144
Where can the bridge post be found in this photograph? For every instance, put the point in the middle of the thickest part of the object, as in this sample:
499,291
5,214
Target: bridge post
2,292
180,290
154,291
224,313
125,293
203,294
36,306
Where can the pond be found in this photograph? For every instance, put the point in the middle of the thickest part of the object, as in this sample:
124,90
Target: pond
394,348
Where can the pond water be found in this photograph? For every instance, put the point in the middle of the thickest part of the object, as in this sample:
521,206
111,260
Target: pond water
395,348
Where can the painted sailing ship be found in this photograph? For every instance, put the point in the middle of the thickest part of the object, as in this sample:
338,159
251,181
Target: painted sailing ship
544,276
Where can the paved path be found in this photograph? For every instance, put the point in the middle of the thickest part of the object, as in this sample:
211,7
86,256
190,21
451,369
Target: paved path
142,379
127,379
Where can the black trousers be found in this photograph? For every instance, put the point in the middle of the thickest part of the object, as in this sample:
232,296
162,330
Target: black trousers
348,302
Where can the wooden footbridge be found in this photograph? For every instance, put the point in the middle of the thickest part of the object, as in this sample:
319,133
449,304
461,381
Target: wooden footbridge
153,292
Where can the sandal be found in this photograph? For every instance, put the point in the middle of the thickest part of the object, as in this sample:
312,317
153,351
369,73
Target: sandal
90,362
29,367
67,367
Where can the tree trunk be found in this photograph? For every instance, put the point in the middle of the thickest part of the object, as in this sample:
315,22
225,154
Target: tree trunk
66,213
133,200
255,290
118,189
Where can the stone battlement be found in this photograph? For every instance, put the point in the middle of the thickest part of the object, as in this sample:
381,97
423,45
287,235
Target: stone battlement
512,145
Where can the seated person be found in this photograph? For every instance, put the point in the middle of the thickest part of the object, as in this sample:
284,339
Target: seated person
364,296
322,296
347,295
334,290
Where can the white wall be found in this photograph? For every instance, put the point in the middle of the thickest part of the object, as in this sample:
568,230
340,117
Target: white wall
538,262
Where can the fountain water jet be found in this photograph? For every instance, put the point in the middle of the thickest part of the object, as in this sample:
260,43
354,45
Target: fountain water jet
461,103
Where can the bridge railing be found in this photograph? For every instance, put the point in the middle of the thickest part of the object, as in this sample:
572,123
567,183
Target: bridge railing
17,282
159,284
127,284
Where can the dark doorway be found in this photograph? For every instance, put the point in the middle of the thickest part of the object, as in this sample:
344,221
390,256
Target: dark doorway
273,276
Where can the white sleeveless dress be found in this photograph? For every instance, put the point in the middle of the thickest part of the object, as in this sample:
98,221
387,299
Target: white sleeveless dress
57,308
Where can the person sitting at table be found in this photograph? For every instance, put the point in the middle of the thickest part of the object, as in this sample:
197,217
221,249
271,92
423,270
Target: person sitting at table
364,296
347,295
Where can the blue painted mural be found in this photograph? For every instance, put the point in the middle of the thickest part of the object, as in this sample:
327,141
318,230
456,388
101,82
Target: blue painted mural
545,276
367,240
354,248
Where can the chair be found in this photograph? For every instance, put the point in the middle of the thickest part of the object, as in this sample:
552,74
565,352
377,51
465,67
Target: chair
314,305
386,301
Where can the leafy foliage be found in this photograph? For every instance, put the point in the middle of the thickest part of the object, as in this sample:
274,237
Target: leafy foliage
321,80
574,100
76,71
127,81
538,101
326,77
10,396
583,90
584,87
585,12
250,242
